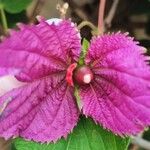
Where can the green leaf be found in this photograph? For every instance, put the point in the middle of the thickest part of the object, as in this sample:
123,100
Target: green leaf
15,6
86,136
85,46
78,100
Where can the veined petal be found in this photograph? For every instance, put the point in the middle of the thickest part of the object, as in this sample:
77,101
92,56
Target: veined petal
39,50
43,110
103,45
118,97
29,66
65,37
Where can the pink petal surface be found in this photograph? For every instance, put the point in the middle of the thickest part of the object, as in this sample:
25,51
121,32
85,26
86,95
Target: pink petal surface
43,107
120,93
38,50
43,110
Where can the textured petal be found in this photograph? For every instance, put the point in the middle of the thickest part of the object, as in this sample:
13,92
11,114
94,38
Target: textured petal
43,110
39,50
119,96
29,66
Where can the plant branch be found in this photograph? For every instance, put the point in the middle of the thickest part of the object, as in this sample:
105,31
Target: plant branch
101,16
81,14
5,144
3,19
36,10
89,24
111,13
137,140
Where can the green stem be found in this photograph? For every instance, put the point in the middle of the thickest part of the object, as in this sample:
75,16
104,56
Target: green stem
3,19
78,100
101,16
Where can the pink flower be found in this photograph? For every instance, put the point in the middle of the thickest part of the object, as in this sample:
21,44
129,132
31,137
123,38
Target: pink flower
114,85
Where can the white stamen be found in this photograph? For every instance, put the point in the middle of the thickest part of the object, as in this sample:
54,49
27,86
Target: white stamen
87,78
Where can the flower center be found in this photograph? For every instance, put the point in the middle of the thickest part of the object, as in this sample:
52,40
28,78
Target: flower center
81,75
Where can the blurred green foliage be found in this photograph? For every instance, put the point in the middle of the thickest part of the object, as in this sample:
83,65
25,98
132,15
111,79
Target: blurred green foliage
15,18
15,6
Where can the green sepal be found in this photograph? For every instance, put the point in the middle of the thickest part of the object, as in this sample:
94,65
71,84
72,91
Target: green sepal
78,100
85,46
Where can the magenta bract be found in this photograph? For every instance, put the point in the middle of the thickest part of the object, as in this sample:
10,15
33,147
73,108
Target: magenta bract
119,96
44,108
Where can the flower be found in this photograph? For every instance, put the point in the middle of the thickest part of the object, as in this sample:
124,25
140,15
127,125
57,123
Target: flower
114,85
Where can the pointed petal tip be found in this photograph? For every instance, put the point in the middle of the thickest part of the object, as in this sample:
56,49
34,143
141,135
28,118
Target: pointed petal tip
14,137
40,18
20,25
2,38
126,33
143,49
11,32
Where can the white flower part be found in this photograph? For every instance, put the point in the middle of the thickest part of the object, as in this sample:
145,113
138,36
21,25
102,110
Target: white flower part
87,78
9,82
54,21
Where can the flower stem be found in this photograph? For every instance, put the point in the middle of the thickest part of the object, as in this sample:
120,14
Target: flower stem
89,24
36,10
111,13
101,16
3,19
78,100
